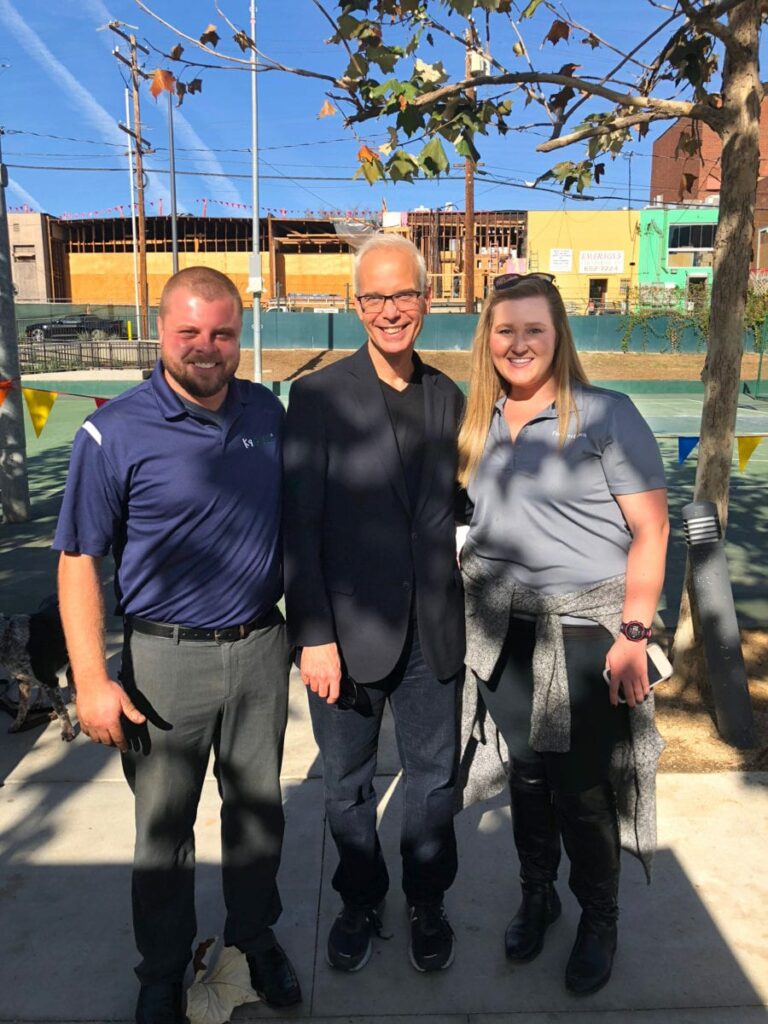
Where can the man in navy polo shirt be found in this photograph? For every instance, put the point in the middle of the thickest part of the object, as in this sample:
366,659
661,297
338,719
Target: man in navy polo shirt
181,478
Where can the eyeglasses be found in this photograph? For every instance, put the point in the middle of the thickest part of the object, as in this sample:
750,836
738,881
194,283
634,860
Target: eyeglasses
500,284
403,301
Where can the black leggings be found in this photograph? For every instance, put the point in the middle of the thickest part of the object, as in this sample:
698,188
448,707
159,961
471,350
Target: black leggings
596,726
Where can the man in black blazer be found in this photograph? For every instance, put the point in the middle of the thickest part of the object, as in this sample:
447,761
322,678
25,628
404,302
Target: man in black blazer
374,598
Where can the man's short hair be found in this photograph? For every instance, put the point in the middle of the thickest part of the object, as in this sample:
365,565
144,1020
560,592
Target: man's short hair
390,241
206,282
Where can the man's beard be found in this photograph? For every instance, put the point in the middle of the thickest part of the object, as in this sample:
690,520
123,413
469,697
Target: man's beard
205,388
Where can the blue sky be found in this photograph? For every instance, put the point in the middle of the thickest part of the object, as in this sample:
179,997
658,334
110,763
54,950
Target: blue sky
62,94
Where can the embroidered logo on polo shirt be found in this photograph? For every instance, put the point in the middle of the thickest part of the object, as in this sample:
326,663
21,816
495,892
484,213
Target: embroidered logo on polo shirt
253,442
569,437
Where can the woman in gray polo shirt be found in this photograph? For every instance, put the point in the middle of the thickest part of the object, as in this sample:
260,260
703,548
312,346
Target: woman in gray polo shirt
563,567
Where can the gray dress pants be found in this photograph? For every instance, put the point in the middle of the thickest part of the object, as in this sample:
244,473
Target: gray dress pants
231,698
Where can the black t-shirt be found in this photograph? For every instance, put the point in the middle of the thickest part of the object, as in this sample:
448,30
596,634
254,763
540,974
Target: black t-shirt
406,411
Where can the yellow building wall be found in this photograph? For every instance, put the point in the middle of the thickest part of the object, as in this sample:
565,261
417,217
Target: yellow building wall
314,273
105,278
580,246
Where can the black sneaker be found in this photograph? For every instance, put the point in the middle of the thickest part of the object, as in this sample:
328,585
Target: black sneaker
431,937
349,940
273,978
160,1003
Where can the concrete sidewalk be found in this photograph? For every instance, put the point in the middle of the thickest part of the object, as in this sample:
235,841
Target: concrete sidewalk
693,947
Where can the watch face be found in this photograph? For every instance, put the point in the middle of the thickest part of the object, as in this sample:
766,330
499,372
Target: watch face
634,631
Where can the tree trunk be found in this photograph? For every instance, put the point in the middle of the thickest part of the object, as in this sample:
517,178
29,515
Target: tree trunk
739,133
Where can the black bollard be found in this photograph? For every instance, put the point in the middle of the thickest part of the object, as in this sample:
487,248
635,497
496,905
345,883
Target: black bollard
717,615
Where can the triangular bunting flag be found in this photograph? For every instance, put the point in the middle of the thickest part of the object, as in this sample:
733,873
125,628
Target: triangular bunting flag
4,390
39,404
100,401
685,446
746,446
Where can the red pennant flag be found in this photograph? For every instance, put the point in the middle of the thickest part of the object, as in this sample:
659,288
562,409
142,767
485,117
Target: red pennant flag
100,401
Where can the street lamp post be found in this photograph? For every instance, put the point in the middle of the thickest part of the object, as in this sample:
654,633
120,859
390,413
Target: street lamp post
172,168
255,282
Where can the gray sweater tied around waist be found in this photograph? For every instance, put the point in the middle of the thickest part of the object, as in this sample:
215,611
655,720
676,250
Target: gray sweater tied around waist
491,597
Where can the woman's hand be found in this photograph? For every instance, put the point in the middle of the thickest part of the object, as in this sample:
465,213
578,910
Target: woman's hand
627,662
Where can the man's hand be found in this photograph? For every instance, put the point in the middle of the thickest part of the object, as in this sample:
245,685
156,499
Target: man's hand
628,664
99,708
321,670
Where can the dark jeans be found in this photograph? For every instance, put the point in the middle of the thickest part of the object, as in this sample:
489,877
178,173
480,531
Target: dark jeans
231,698
596,726
424,709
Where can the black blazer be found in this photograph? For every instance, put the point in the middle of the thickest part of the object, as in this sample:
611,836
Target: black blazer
353,548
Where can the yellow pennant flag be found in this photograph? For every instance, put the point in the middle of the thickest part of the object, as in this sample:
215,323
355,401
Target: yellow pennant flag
747,447
39,404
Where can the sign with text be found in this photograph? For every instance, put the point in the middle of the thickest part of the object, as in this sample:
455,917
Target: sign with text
601,261
560,260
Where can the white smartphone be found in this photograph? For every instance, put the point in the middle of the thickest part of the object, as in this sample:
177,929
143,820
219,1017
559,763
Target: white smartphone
659,668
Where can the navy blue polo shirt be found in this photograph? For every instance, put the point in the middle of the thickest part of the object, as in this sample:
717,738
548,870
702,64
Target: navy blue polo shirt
188,503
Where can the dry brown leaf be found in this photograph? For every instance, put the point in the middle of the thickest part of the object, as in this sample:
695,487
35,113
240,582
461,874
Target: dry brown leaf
327,109
558,30
162,81
210,37
366,154
176,52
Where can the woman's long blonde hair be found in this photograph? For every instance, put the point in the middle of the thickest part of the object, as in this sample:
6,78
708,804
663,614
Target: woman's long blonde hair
486,386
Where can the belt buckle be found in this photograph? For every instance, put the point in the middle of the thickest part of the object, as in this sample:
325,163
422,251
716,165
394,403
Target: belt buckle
223,636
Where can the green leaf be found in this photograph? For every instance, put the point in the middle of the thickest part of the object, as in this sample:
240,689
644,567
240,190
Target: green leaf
410,119
530,10
357,68
390,85
385,56
465,147
372,171
432,158
402,166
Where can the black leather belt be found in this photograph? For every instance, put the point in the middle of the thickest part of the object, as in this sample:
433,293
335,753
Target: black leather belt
226,635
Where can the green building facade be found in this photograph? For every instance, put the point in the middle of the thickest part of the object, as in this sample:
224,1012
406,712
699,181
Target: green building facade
675,258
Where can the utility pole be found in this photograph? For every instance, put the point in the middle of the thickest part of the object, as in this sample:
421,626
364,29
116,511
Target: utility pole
14,483
141,148
469,202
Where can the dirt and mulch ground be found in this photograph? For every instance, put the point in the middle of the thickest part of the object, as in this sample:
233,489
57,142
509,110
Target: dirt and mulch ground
686,720
288,364
685,717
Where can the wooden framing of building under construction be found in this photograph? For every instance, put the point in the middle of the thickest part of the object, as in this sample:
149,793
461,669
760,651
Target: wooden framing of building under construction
500,236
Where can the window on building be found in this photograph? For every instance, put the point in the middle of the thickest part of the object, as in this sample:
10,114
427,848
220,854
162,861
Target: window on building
691,236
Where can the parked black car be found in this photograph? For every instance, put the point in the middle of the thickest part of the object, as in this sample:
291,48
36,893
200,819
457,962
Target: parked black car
78,325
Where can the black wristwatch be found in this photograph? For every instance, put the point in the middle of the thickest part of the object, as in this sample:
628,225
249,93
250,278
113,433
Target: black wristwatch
635,630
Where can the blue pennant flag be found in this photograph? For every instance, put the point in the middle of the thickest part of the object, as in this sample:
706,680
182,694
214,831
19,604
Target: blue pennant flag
685,446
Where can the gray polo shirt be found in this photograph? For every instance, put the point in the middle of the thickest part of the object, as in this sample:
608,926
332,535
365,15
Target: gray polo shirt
547,514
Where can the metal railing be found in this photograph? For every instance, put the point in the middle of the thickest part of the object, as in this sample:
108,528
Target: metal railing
50,356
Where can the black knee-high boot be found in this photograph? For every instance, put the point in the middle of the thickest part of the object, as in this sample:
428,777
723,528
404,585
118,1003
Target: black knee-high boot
591,838
537,838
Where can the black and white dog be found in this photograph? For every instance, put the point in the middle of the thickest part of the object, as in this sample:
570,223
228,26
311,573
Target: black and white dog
32,649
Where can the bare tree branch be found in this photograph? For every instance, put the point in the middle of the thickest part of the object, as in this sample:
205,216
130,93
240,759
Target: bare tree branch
329,17
699,16
695,112
671,108
614,71
270,63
